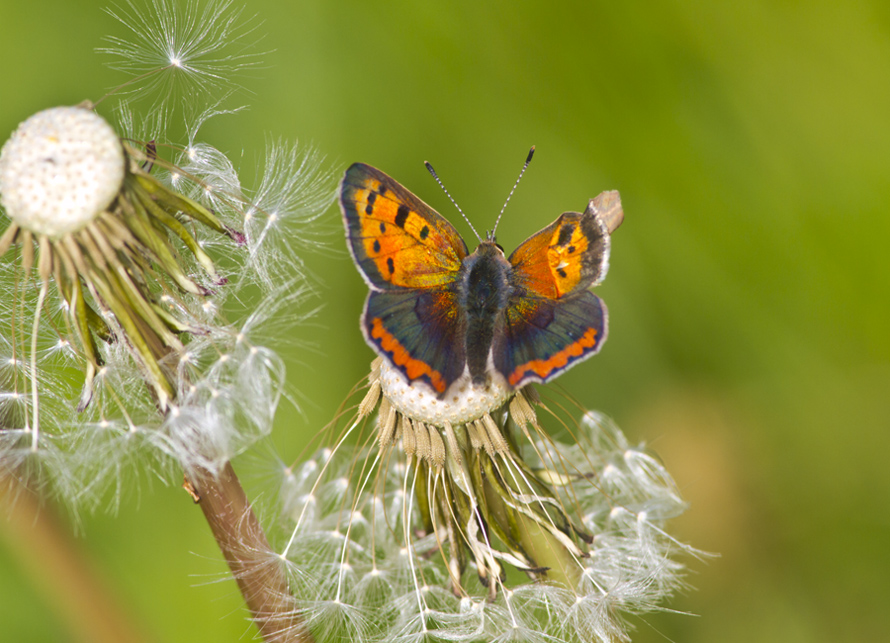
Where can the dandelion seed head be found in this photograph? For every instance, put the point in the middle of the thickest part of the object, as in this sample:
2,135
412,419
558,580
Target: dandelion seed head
60,169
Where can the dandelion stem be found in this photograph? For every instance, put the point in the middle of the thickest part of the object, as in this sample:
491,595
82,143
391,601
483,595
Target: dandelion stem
256,568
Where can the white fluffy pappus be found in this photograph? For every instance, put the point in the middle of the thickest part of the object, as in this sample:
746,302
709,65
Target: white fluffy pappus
367,567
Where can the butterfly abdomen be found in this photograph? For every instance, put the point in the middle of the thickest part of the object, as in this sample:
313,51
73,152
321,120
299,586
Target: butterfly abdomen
484,288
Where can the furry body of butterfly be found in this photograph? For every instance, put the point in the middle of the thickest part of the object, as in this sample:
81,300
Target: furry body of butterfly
483,293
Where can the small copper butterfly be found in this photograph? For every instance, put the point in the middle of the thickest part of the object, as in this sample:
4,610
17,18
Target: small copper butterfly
437,312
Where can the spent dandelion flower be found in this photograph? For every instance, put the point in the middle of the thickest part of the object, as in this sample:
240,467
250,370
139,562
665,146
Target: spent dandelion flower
118,285
79,195
107,272
408,528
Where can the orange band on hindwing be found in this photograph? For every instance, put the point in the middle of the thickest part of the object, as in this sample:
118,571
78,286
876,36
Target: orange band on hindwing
414,368
544,367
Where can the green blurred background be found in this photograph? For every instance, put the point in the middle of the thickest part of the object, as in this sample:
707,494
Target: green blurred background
748,292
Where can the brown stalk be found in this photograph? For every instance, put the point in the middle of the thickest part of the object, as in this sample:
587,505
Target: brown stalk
256,568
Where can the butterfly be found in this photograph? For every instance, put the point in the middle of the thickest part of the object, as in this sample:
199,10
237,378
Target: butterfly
439,313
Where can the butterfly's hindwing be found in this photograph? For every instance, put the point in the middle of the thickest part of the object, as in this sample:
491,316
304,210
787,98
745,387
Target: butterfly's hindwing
543,337
420,332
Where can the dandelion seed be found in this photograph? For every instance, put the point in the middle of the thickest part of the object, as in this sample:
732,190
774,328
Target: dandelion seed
182,49
291,197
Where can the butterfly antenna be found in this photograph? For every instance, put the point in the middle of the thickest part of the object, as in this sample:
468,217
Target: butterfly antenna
439,181
528,160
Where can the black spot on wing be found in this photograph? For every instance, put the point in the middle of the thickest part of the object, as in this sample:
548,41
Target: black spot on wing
376,245
390,265
424,232
402,215
565,234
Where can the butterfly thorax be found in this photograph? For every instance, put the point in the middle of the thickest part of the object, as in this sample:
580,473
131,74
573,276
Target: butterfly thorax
483,289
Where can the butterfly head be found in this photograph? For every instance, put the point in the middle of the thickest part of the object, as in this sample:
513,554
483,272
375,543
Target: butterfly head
490,240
